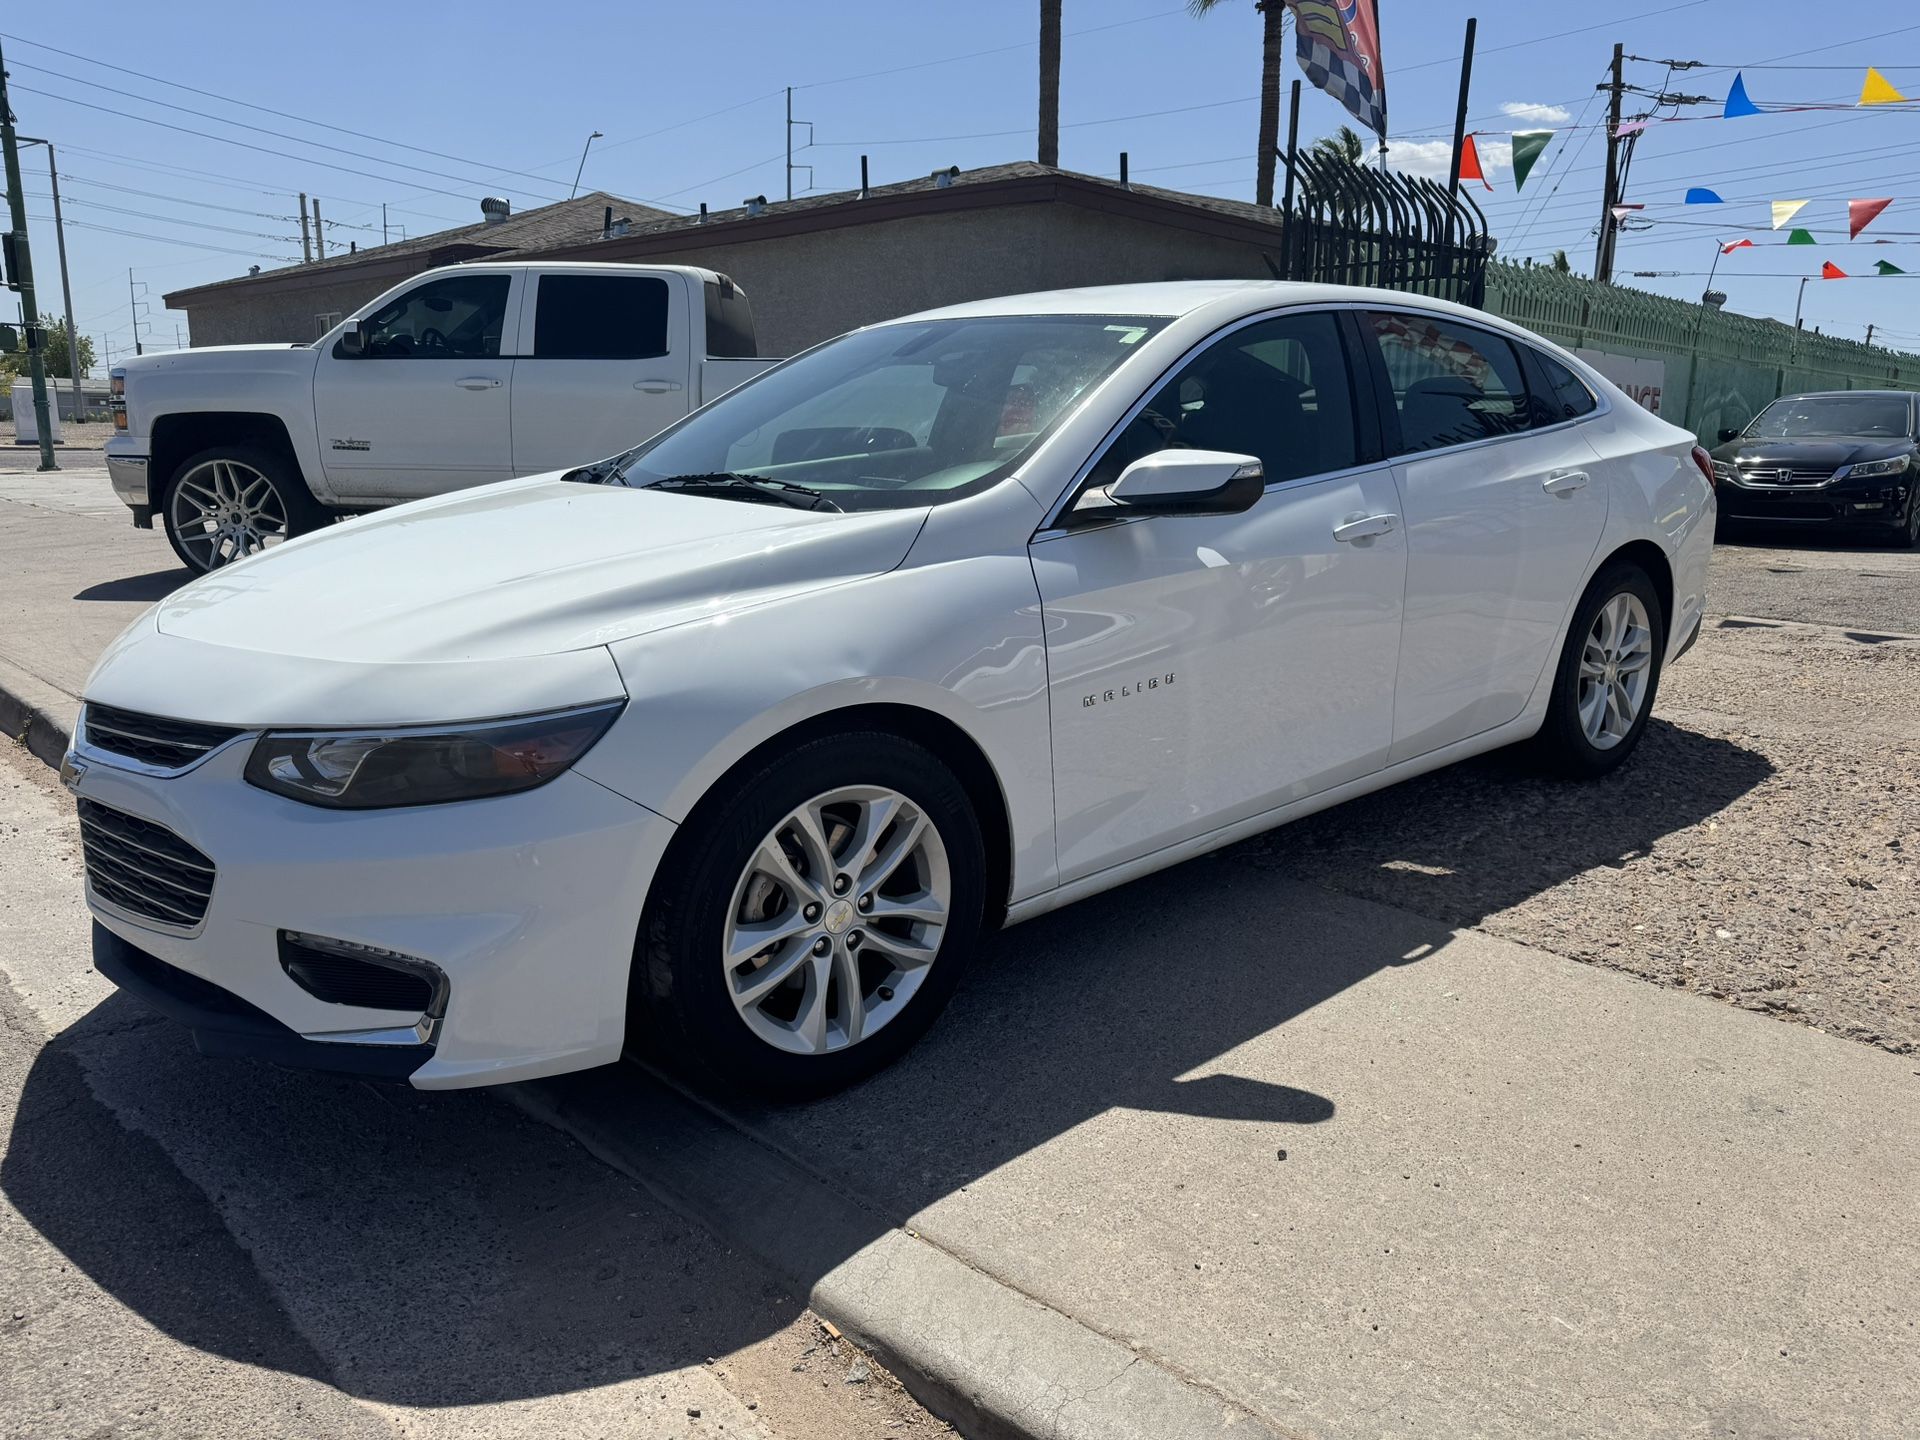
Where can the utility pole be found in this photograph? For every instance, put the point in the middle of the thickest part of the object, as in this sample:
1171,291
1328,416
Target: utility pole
133,309
66,289
1460,127
383,222
791,122
20,273
1603,254
306,245
319,236
1869,336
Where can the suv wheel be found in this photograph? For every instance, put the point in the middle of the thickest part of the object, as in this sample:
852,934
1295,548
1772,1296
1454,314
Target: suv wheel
232,501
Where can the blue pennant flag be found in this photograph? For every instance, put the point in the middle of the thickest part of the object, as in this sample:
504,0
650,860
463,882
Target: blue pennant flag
1737,101
1700,196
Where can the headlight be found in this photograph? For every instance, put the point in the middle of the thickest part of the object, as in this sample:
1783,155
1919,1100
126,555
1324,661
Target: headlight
425,765
1868,469
1724,471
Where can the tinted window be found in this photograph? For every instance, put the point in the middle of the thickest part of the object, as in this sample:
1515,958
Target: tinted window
1451,383
1278,389
1565,395
729,322
456,318
600,317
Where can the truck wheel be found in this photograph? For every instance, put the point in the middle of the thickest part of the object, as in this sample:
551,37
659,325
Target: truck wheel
235,500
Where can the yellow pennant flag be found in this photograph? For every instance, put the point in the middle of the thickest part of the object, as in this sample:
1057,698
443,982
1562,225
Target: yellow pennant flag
1785,210
1878,91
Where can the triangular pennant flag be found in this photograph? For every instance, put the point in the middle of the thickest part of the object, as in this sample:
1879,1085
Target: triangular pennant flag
1699,195
1887,267
1831,271
1527,145
1861,213
1785,210
1620,212
1470,162
1737,101
1800,237
1877,91
1736,245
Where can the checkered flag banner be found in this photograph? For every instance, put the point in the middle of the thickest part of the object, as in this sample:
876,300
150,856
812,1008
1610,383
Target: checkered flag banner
1338,46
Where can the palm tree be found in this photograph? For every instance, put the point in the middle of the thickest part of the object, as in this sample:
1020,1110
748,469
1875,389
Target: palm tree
1049,82
1561,263
1344,146
1273,16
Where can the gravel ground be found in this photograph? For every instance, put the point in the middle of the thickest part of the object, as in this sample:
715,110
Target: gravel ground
1761,847
72,437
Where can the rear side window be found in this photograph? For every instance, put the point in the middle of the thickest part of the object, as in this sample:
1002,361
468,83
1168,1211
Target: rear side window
1563,396
1451,383
729,322
600,317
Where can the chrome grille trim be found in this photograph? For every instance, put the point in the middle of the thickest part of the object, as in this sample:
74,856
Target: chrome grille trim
143,868
1778,478
155,744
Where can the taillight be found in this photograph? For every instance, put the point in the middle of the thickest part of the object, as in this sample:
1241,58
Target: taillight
1705,462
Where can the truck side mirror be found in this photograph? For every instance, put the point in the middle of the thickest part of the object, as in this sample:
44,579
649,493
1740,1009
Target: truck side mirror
352,344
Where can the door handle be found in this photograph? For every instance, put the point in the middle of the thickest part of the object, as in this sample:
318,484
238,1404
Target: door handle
658,387
478,382
1564,482
1364,527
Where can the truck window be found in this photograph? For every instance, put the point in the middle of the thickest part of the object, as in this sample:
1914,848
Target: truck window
458,317
600,317
729,322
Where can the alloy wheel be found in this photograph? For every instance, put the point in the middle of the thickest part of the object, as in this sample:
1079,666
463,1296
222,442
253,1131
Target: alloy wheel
836,920
224,509
1616,664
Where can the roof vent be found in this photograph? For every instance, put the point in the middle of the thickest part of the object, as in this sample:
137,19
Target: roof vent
943,178
619,227
253,269
756,204
495,209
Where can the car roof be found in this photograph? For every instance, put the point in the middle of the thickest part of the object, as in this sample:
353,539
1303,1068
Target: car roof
1174,298
1848,394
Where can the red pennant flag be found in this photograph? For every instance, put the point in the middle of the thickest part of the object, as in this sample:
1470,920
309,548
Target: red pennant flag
1736,245
1470,162
1861,213
1831,271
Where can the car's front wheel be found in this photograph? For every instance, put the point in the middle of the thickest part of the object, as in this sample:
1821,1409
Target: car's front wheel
815,918
1608,675
231,501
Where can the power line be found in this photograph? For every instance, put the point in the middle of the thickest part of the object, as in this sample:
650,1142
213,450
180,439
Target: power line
977,54
169,240
169,219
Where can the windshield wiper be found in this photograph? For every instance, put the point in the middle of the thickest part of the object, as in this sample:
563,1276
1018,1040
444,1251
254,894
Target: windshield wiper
600,471
747,487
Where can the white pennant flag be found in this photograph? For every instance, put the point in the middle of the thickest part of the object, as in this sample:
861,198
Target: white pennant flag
1785,210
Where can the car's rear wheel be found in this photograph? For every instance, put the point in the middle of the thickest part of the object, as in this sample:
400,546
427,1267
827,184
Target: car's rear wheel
232,501
1608,676
815,918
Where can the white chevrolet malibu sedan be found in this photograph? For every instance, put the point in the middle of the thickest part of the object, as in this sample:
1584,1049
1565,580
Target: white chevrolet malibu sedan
735,744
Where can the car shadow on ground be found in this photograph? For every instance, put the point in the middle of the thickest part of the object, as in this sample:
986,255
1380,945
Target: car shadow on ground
154,585
460,1252
1774,535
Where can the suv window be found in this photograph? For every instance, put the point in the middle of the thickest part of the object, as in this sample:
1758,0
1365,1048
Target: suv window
459,317
1278,389
1567,396
600,317
729,322
1451,383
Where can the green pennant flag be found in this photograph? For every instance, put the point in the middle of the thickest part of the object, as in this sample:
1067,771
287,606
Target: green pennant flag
1887,267
1800,237
1527,145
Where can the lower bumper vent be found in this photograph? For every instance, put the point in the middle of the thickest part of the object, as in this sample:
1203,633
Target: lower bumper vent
342,973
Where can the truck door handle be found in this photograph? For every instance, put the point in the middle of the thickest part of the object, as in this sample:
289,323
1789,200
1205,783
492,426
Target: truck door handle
478,382
658,387
1564,482
1364,527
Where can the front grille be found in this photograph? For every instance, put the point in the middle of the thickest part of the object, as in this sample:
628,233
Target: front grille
342,979
144,868
1762,475
152,739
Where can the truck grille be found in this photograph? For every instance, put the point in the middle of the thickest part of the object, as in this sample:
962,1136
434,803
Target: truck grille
152,739
144,868
1764,475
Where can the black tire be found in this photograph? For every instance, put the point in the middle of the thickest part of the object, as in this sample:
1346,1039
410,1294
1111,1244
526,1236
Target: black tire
679,997
299,511
1908,537
1562,745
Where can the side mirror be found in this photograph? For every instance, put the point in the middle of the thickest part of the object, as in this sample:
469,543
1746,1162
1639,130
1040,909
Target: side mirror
353,341
1184,482
1726,435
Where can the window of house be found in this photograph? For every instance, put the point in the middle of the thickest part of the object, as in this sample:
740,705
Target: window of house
1451,383
600,317
458,317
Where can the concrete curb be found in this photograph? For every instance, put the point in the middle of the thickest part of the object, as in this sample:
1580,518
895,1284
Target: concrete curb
995,1363
38,715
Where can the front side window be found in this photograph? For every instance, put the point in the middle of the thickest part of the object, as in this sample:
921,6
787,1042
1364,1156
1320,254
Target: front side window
1451,383
600,317
1278,390
459,317
1881,416
900,415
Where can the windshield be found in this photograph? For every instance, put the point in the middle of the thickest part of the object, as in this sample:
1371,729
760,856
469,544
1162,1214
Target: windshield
1805,415
900,415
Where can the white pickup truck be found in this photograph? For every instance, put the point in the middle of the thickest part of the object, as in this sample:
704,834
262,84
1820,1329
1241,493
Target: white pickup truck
458,377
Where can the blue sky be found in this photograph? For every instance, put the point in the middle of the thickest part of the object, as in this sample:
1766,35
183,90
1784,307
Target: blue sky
506,94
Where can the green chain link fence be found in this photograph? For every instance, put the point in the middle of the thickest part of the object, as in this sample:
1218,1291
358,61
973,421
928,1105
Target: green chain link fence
1721,368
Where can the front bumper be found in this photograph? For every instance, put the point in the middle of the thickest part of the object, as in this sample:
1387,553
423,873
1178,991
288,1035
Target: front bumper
529,904
127,469
1883,501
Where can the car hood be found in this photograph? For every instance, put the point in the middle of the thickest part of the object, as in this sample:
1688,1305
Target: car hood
1824,452
526,568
